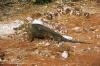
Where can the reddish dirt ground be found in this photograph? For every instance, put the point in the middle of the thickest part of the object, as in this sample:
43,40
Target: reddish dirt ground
19,53
80,58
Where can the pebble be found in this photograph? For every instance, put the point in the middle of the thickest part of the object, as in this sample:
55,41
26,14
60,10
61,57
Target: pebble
64,54
36,52
89,38
67,37
89,48
96,48
45,53
29,18
97,36
1,60
52,56
47,44
77,29
74,47
96,30
38,21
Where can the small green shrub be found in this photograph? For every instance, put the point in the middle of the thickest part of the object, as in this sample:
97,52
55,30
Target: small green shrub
42,1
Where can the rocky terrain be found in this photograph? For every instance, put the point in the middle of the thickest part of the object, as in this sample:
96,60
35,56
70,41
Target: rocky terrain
77,20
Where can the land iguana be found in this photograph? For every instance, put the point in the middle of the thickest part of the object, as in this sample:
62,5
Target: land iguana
42,32
38,30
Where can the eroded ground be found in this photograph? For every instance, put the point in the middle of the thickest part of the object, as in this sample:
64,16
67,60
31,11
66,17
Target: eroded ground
47,52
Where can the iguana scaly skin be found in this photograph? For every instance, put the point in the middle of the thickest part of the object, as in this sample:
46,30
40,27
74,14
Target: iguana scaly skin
41,32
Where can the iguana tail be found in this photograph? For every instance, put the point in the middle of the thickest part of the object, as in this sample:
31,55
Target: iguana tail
75,41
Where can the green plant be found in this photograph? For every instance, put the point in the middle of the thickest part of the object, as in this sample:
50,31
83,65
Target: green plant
42,1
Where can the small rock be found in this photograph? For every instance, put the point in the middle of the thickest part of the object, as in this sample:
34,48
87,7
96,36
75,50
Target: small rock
29,18
77,29
2,55
0,60
47,44
74,47
64,54
89,48
67,37
86,49
45,53
96,30
49,16
52,56
37,21
97,36
96,48
36,52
